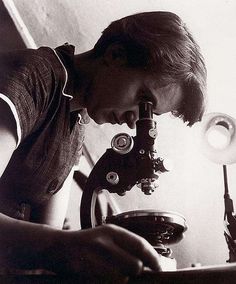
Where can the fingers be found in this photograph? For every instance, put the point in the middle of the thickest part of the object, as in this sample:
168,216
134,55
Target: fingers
116,258
136,246
110,250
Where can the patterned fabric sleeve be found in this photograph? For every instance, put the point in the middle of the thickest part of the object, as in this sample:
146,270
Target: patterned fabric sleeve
26,83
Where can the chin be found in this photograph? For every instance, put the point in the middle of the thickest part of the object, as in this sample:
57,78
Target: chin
98,120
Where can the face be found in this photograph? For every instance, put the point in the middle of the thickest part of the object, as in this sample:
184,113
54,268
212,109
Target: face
115,93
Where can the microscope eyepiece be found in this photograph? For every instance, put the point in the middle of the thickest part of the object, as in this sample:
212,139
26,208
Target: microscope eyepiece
145,110
145,138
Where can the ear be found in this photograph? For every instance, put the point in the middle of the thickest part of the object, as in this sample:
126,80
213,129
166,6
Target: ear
115,55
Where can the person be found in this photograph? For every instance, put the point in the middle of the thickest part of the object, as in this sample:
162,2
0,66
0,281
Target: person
47,97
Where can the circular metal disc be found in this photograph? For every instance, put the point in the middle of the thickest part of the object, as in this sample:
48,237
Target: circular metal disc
157,227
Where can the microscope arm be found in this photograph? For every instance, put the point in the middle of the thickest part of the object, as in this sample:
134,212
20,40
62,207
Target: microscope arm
113,172
130,161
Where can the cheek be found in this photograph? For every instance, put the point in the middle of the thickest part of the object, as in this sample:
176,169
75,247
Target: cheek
114,92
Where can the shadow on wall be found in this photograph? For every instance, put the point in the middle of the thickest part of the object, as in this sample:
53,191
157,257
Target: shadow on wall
10,38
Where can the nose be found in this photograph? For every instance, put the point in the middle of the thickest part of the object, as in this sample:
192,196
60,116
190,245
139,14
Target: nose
130,118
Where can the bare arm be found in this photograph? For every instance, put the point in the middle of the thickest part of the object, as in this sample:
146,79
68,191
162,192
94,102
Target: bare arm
8,139
53,213
17,239
106,250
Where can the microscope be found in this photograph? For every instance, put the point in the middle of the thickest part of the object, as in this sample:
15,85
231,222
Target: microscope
132,162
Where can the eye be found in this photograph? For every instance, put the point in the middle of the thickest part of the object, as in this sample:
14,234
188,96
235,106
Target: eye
147,95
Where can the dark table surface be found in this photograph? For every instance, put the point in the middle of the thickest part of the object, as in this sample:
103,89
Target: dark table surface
219,274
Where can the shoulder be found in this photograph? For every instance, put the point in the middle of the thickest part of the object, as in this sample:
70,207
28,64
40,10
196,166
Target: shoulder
29,60
28,82
28,70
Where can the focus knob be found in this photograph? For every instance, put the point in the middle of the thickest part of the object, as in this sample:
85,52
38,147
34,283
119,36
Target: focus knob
122,143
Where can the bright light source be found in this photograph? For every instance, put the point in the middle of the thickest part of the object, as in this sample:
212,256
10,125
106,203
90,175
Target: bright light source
218,137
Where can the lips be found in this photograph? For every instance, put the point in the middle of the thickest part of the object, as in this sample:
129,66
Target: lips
116,120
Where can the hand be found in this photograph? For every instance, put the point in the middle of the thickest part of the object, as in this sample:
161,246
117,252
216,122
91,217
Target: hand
105,250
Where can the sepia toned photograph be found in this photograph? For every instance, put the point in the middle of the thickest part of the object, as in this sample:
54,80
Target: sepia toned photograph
117,141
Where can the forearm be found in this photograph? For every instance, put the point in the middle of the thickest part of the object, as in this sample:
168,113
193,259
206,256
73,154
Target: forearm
26,245
102,251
